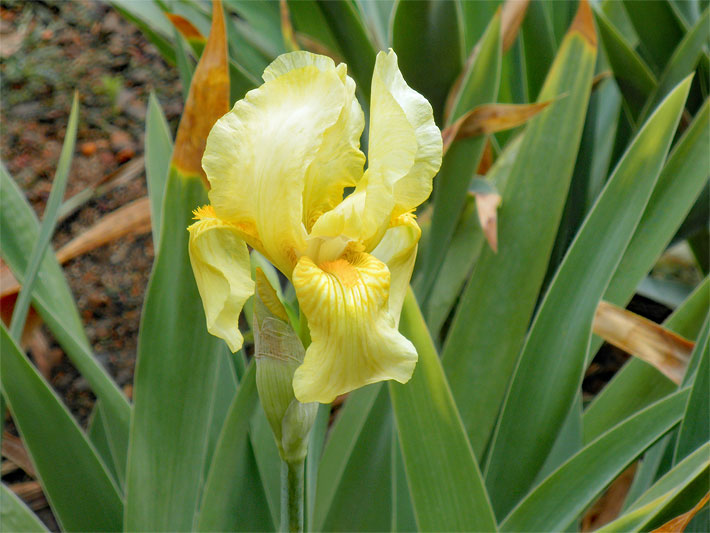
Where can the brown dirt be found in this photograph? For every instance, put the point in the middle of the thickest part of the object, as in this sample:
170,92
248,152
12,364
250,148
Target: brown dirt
49,50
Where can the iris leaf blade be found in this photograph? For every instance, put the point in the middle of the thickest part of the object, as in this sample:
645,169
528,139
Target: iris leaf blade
633,75
178,360
368,471
598,464
233,498
646,19
158,149
683,61
15,515
429,70
443,476
478,86
46,229
358,50
538,42
80,489
267,460
490,323
695,427
555,351
339,448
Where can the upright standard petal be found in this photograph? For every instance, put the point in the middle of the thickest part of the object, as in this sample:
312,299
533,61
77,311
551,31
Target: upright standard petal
258,156
354,339
404,155
398,250
339,163
220,262
405,143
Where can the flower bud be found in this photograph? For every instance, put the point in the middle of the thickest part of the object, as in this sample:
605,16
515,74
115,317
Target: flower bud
278,352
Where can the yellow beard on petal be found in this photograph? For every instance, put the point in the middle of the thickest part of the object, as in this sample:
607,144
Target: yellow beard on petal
343,270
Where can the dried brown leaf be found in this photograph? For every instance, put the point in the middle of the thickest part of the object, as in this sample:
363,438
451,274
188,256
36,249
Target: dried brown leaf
122,175
487,209
44,357
31,493
486,159
679,523
491,118
8,467
207,100
609,506
14,450
512,16
650,342
132,218
7,305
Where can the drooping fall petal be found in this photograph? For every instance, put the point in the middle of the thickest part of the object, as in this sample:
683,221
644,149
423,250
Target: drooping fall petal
220,262
354,339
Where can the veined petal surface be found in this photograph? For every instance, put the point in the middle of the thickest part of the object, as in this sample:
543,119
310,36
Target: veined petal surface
339,162
398,250
220,262
354,339
279,142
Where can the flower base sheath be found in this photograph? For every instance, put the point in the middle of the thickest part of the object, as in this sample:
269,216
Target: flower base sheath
278,165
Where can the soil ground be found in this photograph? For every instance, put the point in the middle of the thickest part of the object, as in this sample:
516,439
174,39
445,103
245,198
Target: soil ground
49,50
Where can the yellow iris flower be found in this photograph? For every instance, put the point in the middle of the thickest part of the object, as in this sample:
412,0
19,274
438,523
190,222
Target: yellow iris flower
278,164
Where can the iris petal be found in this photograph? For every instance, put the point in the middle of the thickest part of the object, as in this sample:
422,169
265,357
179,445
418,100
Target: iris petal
220,262
404,155
354,339
405,144
398,250
258,156
339,162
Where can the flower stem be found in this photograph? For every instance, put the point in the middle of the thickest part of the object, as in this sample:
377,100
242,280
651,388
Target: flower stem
292,496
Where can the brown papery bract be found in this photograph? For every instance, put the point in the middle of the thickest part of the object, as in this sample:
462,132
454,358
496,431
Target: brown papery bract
207,101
